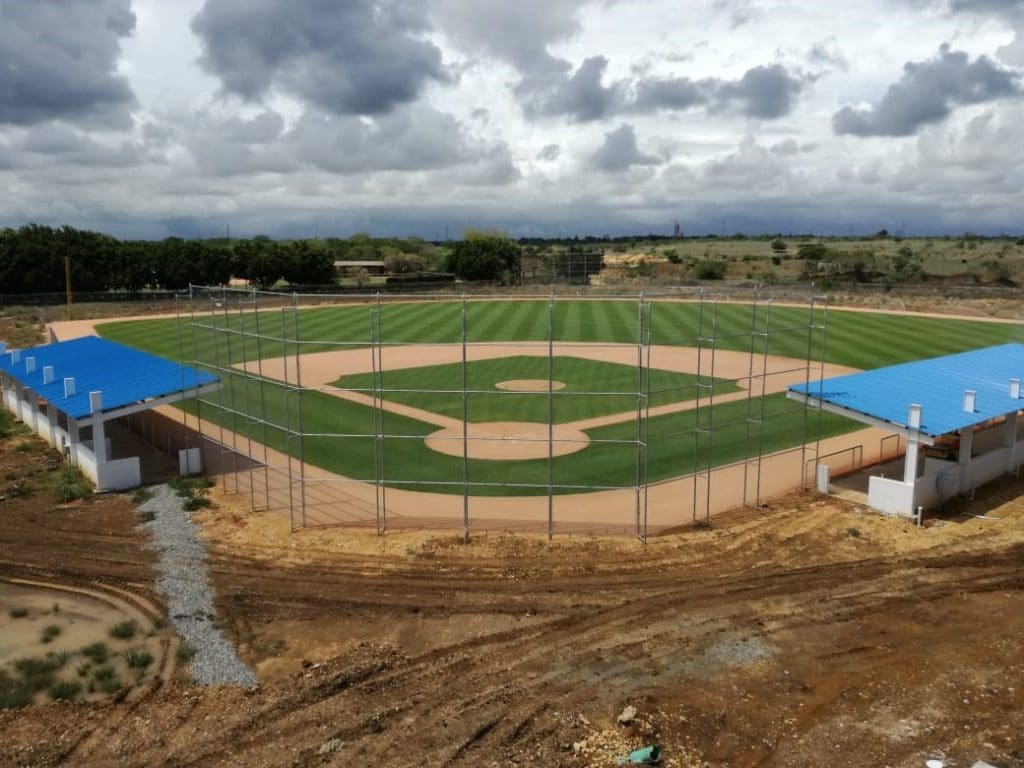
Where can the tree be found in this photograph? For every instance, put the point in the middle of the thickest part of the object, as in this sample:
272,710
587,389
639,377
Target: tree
302,264
486,256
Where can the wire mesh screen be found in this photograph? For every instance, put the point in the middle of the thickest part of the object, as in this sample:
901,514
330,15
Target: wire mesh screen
627,414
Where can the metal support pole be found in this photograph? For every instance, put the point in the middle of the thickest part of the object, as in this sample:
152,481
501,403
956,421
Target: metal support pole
298,398
220,393
263,399
465,428
639,404
248,413
380,373
229,379
551,415
287,418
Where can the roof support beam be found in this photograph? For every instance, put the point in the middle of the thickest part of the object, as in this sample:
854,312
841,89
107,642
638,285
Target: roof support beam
863,418
147,404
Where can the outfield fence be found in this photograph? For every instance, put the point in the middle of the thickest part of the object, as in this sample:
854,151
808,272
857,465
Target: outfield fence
627,414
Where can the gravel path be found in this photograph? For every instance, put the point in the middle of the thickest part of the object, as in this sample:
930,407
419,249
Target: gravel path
182,579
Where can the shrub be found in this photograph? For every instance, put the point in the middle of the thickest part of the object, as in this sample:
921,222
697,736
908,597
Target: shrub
124,630
138,658
711,270
110,685
96,652
186,652
24,446
64,690
779,245
49,633
71,484
18,613
141,495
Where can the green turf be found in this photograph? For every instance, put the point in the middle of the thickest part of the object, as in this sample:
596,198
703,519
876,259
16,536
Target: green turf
857,339
592,388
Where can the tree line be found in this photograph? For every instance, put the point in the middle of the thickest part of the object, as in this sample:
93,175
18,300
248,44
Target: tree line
32,261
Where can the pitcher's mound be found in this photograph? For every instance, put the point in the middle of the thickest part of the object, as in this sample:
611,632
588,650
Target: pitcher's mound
508,440
529,385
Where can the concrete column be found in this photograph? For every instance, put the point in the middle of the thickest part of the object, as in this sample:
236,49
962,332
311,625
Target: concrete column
99,436
964,458
1010,441
910,460
51,420
75,440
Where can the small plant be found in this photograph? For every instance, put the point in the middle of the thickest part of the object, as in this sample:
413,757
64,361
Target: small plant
14,693
124,630
84,668
854,532
96,652
50,631
110,685
37,674
70,484
24,446
160,622
56,607
138,658
141,495
103,673
64,690
185,653
18,613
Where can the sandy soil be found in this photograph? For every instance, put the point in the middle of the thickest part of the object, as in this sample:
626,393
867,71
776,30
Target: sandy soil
803,633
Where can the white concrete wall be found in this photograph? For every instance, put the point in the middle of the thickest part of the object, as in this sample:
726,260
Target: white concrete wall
891,497
190,462
120,474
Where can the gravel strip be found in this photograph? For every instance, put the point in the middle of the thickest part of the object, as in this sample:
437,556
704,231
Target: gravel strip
182,579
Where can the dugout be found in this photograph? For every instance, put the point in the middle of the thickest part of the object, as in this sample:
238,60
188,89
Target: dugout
958,415
71,393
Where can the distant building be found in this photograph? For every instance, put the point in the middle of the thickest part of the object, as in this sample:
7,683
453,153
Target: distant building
346,268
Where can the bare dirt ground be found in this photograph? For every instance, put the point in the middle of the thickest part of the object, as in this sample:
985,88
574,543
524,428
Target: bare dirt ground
802,634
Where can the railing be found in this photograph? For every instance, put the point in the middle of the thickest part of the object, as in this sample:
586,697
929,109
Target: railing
855,461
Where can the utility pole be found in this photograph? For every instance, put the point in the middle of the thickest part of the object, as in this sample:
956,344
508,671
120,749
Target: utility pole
67,280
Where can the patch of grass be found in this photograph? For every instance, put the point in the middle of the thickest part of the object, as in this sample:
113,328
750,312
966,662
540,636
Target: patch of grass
70,484
138,658
194,491
14,693
160,622
854,532
124,630
64,690
6,423
111,685
18,613
103,673
141,495
24,446
84,668
96,652
37,674
185,653
50,632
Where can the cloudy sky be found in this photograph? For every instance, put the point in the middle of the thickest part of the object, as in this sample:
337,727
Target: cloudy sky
145,118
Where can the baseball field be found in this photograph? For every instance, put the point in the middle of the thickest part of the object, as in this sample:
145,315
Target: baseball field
389,381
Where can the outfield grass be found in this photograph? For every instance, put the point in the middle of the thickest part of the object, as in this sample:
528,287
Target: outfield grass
856,339
592,388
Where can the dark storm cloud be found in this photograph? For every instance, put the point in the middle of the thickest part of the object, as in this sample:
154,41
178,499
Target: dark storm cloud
59,61
352,57
764,92
987,6
580,96
619,151
927,93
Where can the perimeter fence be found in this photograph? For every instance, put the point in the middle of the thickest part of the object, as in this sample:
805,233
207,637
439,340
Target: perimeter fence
623,414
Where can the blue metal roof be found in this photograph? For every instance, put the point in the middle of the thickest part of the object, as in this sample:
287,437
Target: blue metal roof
937,385
124,375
